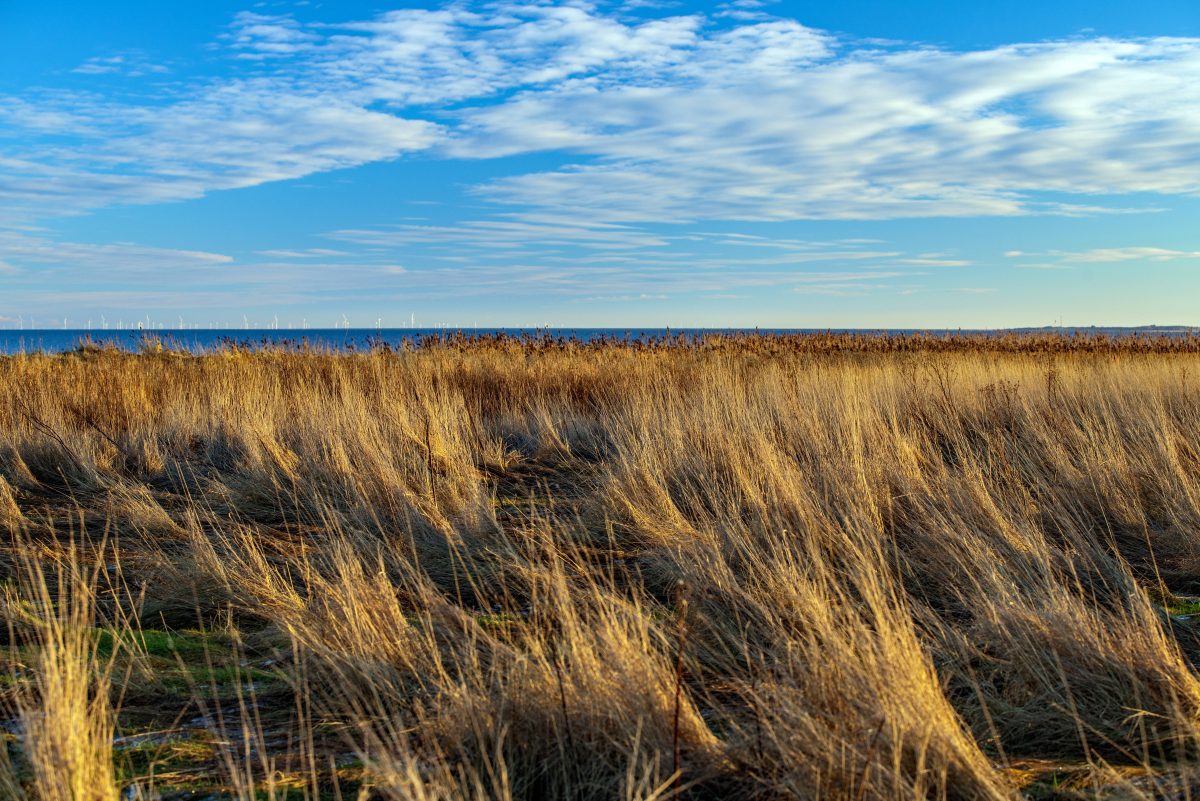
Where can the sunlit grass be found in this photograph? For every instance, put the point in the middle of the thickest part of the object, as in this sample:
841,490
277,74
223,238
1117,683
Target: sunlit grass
744,567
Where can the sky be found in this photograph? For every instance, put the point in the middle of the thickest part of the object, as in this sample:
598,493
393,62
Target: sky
858,164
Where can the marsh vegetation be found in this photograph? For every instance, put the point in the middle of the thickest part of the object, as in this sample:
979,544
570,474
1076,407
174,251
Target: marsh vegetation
747,567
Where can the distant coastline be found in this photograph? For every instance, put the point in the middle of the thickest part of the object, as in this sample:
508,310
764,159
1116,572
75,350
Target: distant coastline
1109,329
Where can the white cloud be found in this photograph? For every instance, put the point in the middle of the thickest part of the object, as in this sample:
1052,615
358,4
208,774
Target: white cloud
550,241
662,119
570,280
549,256
37,251
260,36
1101,255
133,65
547,259
928,261
46,275
622,298
541,232
1063,259
872,134
236,135
305,253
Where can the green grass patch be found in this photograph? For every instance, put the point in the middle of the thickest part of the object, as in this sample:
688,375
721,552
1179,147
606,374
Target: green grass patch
1190,607
498,620
223,677
188,645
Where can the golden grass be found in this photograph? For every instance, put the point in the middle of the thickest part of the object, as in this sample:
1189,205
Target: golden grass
746,567
64,715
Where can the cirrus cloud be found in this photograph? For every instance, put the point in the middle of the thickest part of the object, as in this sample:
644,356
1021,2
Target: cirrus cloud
1129,254
626,146
661,118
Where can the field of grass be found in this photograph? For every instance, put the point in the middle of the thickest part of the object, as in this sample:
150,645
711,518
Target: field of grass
814,567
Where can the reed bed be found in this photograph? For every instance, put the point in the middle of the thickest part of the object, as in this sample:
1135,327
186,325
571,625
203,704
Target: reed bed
747,567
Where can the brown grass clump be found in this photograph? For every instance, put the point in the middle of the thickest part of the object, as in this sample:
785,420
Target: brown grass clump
10,513
813,567
65,720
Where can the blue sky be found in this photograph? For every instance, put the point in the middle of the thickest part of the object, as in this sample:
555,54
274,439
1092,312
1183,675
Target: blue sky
864,164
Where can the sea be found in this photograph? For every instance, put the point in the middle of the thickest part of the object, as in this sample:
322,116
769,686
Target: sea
200,340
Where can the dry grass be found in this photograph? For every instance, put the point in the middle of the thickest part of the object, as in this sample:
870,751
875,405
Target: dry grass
64,714
745,567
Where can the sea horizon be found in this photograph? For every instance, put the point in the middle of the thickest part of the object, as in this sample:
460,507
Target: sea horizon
13,341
